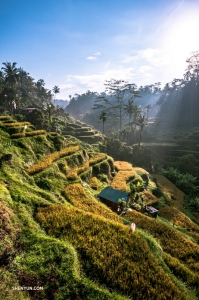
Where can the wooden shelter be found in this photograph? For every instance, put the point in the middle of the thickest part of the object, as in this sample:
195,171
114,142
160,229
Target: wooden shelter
110,197
151,211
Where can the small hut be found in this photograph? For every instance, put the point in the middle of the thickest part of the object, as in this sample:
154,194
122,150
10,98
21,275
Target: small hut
152,211
110,197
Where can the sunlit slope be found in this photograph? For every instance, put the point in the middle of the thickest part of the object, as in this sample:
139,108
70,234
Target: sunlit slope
174,243
111,253
76,194
57,235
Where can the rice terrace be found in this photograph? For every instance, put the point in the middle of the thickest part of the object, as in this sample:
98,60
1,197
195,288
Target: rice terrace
99,174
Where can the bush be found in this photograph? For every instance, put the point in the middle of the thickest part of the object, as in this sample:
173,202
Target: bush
193,203
185,182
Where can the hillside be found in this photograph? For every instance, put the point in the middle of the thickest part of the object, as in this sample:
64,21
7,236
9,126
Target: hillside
59,241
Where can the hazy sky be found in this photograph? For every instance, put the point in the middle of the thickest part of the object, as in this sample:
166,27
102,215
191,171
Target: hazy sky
78,44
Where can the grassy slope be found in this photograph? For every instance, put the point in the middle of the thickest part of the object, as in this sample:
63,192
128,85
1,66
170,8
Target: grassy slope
73,251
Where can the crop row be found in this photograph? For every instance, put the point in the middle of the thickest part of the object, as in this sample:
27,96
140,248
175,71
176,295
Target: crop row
76,194
73,174
96,157
2,118
182,272
111,253
178,218
27,134
149,198
120,179
49,159
122,166
16,124
20,129
176,195
172,241
52,133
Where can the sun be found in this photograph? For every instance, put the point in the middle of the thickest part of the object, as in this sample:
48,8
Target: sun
182,36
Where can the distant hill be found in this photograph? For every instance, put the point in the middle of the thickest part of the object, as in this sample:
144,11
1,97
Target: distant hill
60,102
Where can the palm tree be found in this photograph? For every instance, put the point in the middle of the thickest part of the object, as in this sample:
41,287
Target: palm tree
148,107
129,108
56,90
103,117
11,74
141,121
11,78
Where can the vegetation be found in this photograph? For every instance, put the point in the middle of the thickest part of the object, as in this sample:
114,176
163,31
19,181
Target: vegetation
104,257
47,161
55,233
76,194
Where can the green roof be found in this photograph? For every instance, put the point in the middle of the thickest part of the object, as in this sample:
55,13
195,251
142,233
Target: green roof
112,194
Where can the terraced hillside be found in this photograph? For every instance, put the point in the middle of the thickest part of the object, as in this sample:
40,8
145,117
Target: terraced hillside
174,144
58,241
83,132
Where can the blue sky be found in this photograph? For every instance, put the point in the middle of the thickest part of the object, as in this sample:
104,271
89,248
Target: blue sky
78,44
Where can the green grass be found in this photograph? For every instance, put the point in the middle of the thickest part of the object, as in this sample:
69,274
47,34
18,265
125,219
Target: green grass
80,255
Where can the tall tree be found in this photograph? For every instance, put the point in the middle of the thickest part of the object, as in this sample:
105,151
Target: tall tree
11,77
129,108
148,107
119,92
141,122
193,65
11,74
103,117
56,90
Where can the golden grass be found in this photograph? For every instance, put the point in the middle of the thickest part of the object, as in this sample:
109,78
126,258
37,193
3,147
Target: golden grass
49,159
111,253
52,133
96,157
122,166
73,174
173,215
16,124
28,134
76,194
149,198
182,272
177,196
172,241
94,183
5,118
140,171
120,179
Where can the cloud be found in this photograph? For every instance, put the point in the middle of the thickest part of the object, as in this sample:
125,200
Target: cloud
128,58
156,57
94,56
67,86
95,82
